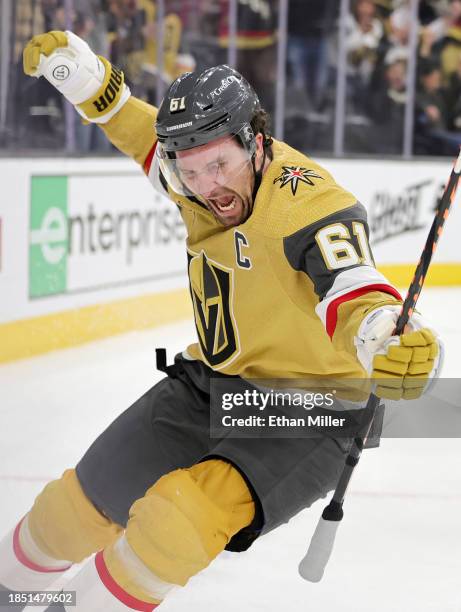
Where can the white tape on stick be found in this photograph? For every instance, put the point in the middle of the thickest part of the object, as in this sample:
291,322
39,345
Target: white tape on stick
313,564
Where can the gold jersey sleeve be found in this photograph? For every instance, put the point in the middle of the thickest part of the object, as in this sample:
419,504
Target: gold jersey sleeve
132,130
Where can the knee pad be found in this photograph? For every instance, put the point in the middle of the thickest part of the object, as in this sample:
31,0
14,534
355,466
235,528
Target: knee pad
187,517
64,524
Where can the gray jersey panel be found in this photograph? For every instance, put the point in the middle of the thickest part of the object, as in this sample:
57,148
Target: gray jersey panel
304,254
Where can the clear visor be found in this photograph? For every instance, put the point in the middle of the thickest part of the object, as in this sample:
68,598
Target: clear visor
207,169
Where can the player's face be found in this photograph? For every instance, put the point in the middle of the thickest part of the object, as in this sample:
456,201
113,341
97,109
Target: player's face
221,174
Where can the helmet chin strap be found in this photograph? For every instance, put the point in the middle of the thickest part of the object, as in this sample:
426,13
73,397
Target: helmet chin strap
258,175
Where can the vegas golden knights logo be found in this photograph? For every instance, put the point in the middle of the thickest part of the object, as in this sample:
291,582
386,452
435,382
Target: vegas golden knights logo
211,291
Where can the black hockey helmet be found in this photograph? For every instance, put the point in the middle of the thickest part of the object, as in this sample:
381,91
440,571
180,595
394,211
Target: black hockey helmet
201,107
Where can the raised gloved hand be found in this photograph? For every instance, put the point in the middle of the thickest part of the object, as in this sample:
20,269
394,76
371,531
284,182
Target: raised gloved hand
90,82
400,365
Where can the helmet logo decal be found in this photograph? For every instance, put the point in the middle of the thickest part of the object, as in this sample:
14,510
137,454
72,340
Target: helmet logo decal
177,104
224,85
292,175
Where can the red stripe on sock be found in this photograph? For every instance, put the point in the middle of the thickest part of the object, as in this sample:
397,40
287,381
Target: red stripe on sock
332,310
131,602
22,558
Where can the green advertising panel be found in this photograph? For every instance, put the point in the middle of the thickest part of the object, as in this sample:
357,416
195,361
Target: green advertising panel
48,246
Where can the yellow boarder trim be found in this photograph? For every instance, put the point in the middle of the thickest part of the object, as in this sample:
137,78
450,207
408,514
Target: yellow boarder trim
29,337
439,275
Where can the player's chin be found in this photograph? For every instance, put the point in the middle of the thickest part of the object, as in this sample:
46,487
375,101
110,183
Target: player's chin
230,221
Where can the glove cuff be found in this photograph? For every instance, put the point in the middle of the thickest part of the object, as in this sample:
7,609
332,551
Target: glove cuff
109,98
375,335
374,330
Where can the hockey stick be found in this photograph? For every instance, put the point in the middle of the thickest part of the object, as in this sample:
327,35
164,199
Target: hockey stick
320,548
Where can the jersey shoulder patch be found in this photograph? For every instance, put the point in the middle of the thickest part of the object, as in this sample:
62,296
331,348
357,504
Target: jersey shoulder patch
295,192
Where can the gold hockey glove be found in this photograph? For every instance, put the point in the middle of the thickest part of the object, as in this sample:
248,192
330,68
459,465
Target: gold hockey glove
401,366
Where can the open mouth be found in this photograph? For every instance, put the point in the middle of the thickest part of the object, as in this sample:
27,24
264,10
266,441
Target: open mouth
225,203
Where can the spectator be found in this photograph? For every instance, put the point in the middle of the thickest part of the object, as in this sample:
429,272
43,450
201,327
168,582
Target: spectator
308,42
365,40
54,14
90,23
451,52
33,110
399,24
442,37
384,8
93,13
454,99
133,37
173,62
125,25
430,10
28,21
202,19
387,107
433,115
256,38
430,99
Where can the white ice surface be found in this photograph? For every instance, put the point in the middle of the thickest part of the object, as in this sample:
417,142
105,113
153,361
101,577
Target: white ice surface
398,548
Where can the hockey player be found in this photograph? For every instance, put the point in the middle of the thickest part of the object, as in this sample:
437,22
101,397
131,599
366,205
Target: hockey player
283,285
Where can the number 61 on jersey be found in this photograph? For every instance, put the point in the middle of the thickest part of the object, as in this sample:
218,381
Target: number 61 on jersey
335,244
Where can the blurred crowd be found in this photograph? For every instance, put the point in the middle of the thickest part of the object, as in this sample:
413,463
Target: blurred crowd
377,37
377,59
195,34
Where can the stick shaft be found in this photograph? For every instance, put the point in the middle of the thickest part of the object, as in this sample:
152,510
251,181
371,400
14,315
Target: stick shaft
435,232
314,562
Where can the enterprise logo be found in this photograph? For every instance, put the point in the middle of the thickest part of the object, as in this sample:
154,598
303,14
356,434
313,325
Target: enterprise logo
51,236
65,232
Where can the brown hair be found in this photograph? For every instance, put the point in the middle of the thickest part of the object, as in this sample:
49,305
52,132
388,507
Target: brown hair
260,124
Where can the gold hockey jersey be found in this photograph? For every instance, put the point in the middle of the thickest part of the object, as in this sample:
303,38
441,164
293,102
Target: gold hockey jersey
281,295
